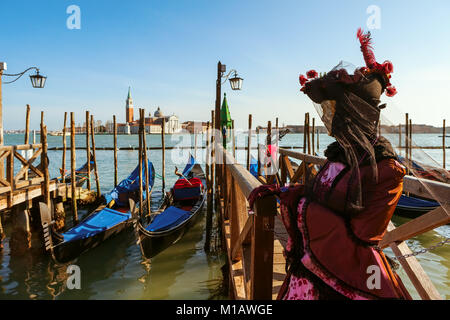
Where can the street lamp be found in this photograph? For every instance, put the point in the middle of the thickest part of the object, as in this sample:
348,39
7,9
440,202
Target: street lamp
235,82
37,81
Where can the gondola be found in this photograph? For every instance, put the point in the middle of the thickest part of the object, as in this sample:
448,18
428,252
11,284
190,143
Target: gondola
179,211
413,207
81,174
116,214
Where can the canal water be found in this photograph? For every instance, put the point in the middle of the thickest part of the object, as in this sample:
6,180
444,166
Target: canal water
116,269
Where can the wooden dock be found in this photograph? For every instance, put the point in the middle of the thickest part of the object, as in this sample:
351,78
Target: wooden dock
255,238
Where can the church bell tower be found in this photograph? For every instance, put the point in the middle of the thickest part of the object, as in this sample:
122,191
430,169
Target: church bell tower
129,108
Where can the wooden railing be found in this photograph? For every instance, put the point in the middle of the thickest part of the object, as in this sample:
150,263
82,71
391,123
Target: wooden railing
28,174
394,237
249,236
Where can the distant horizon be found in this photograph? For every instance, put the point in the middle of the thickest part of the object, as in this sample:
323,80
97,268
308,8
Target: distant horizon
168,53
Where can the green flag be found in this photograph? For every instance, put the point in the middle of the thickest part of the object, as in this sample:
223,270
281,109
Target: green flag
225,120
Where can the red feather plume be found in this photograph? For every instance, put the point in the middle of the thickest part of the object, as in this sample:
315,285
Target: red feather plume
366,48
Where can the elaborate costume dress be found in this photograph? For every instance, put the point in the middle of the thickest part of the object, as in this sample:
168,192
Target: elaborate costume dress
336,219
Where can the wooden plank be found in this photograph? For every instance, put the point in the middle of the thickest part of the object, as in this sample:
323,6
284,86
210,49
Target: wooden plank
303,157
242,239
412,228
427,188
246,181
236,268
27,194
414,270
299,173
262,249
27,164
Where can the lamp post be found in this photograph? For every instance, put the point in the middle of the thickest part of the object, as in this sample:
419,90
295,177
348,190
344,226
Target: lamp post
37,81
236,84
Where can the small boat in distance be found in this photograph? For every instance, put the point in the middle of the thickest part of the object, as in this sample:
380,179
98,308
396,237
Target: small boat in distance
179,211
116,214
58,133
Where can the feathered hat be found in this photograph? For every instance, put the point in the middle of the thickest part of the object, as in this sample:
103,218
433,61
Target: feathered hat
372,66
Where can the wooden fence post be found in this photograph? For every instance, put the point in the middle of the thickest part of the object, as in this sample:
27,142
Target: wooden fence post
262,249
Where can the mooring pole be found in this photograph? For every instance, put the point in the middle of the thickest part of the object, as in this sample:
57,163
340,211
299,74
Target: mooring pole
141,198
63,164
410,141
97,181
312,136
27,134
443,144
115,151
88,153
44,161
249,141
213,160
147,178
72,168
259,152
207,246
407,142
163,151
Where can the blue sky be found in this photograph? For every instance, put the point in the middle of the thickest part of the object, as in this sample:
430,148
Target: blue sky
167,51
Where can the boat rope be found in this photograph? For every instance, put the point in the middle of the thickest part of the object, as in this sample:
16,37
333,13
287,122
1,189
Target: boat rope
424,250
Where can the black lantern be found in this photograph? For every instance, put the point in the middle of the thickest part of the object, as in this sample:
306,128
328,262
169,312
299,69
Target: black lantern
236,82
37,80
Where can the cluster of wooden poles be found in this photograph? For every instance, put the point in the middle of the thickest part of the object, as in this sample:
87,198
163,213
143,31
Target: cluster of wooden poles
408,146
90,156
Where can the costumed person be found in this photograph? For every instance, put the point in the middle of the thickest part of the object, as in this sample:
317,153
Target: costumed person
337,217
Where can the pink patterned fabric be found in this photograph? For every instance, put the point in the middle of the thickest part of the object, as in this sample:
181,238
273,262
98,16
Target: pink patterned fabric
301,289
324,235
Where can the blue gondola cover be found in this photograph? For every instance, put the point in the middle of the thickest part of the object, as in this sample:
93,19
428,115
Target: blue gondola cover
411,202
168,219
131,184
96,223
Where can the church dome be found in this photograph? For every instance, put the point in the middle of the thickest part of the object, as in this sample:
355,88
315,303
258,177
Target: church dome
158,113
